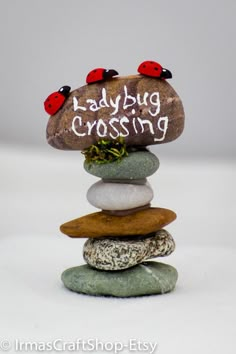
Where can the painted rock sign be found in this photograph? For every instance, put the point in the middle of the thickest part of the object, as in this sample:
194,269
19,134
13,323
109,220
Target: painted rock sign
142,110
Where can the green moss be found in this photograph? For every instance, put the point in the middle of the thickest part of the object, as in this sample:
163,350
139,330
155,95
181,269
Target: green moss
106,151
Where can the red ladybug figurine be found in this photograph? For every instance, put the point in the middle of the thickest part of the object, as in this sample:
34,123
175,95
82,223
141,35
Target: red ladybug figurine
153,69
100,74
55,101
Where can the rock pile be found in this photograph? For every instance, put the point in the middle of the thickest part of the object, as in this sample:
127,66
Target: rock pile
126,232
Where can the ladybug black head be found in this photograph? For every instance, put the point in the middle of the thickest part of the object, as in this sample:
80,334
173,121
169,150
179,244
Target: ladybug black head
65,90
166,74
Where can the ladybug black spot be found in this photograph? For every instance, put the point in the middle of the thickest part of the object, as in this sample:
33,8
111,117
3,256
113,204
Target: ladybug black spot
49,105
95,71
56,96
156,68
144,66
151,62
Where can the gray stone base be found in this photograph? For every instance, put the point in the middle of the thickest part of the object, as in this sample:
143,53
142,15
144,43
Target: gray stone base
147,278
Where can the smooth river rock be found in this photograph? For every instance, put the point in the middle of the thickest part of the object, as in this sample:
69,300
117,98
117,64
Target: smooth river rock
103,225
142,110
144,279
119,196
121,253
137,165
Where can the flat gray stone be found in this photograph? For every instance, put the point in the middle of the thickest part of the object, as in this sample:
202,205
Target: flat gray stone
125,252
137,165
144,279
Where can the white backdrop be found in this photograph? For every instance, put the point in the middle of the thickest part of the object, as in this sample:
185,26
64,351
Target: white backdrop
45,45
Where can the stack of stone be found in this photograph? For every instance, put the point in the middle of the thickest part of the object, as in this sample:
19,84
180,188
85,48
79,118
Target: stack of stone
124,235
127,231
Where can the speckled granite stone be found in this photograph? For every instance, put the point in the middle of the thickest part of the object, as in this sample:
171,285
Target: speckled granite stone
137,165
144,279
121,253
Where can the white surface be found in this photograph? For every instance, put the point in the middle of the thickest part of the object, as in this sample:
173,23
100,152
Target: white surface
41,191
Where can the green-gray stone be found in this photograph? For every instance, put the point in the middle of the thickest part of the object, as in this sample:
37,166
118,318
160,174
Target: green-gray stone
136,165
148,278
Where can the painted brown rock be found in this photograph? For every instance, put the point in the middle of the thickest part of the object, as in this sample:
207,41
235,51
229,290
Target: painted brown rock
142,110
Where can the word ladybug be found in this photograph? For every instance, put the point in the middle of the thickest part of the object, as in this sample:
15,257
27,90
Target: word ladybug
153,69
55,101
100,74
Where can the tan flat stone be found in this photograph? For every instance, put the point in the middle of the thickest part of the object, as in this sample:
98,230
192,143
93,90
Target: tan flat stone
100,224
